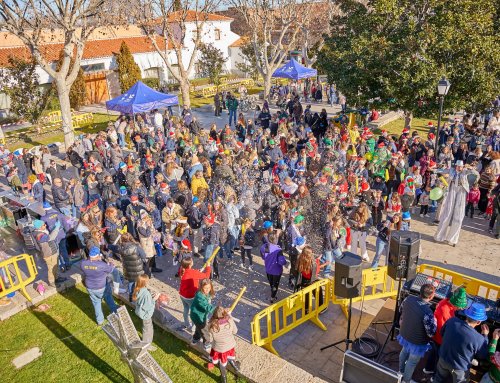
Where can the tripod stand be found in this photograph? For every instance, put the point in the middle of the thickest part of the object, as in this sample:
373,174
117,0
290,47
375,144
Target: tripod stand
348,339
394,321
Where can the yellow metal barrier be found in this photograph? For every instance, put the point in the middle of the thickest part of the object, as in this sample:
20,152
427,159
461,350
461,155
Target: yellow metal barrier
473,286
10,267
283,316
375,284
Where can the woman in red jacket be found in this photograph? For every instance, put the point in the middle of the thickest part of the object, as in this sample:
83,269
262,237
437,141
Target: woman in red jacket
308,267
189,285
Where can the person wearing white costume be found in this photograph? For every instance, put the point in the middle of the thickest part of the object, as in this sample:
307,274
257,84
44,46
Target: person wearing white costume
453,208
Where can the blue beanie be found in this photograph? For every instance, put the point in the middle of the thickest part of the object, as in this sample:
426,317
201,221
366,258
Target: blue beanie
267,225
46,205
406,215
195,199
281,163
94,252
37,223
299,241
122,165
123,190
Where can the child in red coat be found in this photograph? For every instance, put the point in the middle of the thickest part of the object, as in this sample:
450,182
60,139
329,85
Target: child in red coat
472,200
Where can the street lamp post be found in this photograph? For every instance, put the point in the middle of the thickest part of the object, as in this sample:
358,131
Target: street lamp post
443,87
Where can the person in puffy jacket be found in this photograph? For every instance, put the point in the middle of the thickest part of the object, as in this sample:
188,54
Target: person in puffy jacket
274,262
133,259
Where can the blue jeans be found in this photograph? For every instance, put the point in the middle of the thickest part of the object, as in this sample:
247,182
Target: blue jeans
228,247
186,303
444,371
68,211
232,115
121,140
407,363
96,296
380,248
208,251
63,254
330,256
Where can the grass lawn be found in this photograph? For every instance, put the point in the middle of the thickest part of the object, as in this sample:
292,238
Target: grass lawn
75,350
30,139
196,102
419,124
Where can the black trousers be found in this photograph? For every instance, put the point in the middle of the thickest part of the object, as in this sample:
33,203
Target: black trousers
424,209
198,333
274,282
469,208
248,254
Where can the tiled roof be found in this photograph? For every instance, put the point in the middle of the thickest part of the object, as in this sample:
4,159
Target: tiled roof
93,49
192,16
239,43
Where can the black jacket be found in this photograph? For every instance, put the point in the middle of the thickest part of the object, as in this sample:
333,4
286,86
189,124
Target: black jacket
132,261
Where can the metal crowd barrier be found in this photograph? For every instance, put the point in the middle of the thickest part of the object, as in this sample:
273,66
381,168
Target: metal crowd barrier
10,270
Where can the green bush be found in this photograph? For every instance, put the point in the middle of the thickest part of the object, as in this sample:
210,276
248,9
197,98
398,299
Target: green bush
152,82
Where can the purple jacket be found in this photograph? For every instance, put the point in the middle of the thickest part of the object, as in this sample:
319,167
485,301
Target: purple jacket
273,258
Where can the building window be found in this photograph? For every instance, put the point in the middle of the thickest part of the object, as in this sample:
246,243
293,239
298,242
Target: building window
217,34
93,67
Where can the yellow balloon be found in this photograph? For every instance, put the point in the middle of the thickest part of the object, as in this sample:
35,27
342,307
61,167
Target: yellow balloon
369,156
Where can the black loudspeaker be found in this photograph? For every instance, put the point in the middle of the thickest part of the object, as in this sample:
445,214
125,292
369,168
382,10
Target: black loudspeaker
404,249
348,273
358,369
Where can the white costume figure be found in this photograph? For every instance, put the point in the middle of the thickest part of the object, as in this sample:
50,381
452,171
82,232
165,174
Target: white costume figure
453,208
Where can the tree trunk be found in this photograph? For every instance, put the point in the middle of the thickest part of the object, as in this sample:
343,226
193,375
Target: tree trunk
267,84
67,123
186,101
408,119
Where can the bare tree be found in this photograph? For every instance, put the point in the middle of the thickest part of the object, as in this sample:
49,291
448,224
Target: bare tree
170,25
69,22
314,27
274,26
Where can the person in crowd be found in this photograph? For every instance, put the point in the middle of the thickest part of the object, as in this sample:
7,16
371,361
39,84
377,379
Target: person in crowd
201,309
221,332
417,326
95,274
461,344
445,310
145,308
274,262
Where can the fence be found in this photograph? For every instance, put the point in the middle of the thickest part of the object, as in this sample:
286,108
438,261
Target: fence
283,316
208,91
79,119
289,313
11,275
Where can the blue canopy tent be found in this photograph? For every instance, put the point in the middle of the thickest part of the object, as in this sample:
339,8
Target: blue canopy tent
141,98
293,70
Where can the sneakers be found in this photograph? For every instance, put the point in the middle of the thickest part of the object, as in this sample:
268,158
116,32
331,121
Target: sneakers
194,341
207,346
366,258
427,372
427,216
250,268
242,265
421,215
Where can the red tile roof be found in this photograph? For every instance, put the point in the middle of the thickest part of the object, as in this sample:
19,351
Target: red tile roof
192,16
239,43
93,49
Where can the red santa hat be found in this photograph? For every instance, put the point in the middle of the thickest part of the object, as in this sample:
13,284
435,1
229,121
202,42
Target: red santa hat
186,244
171,133
286,195
210,139
239,144
163,185
323,180
431,136
430,124
406,130
365,186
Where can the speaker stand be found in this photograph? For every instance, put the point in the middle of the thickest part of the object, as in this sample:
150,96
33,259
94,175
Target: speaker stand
348,341
391,332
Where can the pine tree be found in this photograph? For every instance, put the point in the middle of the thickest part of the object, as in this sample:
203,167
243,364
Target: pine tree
128,70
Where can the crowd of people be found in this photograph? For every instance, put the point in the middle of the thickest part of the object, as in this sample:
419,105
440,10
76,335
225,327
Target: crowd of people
295,187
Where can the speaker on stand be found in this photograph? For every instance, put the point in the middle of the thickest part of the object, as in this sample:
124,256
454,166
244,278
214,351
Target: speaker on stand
348,275
404,249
